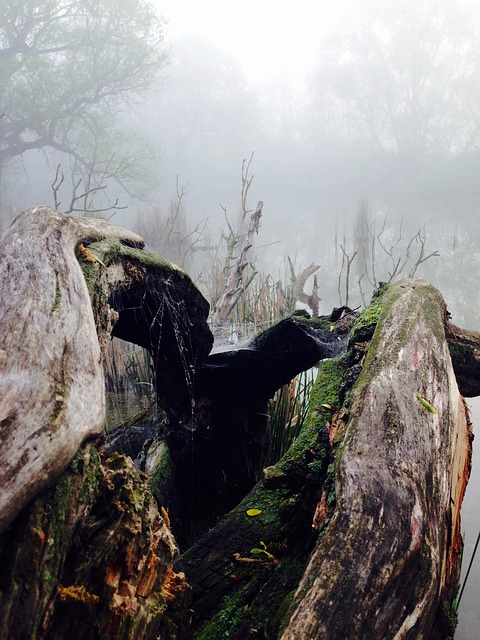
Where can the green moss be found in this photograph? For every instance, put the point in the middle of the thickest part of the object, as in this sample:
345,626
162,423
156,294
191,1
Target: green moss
463,359
224,623
80,480
324,401
382,288
43,537
379,313
430,305
449,616
255,609
268,501
91,273
151,259
364,326
107,249
259,599
161,477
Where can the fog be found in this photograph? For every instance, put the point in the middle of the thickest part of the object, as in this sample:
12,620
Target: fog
360,123
383,110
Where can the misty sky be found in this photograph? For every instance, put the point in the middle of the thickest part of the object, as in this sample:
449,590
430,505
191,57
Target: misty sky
266,36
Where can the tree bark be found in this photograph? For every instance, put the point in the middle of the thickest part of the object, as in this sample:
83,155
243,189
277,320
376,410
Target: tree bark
465,352
354,533
85,550
400,483
387,562
54,321
51,380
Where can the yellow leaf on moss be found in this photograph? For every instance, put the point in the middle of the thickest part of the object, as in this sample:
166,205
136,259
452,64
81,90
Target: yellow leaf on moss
254,512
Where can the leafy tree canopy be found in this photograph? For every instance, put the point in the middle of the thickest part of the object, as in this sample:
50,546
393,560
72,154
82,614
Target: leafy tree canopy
406,73
68,70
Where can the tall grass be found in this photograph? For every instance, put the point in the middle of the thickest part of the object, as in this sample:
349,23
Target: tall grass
288,410
129,380
266,301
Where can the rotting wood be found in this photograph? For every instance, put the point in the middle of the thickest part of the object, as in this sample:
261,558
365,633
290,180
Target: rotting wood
400,482
386,544
91,557
52,395
402,466
464,348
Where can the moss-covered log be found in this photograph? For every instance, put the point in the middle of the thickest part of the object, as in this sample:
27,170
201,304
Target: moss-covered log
388,564
364,503
237,594
61,296
372,490
85,550
91,558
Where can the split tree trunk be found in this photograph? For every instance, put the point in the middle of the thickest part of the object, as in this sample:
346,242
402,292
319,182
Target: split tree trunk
387,562
85,550
52,393
51,378
379,471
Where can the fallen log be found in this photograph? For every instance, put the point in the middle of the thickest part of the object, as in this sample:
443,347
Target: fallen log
85,549
354,533
66,284
223,458
400,482
386,563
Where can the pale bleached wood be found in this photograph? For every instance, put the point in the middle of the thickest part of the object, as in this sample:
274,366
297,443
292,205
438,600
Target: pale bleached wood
52,395
389,557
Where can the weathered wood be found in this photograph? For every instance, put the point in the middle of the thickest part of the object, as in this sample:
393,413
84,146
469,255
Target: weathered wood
235,592
91,558
387,565
465,353
222,459
397,448
54,319
273,358
51,379
90,555
235,284
313,299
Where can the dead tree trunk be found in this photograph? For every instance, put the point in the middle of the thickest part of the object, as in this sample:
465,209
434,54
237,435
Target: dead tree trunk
388,563
313,299
235,285
85,550
354,533
380,471
50,362
51,377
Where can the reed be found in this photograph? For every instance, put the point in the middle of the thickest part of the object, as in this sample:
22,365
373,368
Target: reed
288,410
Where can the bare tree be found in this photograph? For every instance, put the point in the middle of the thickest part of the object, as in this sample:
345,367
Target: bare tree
239,271
382,255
